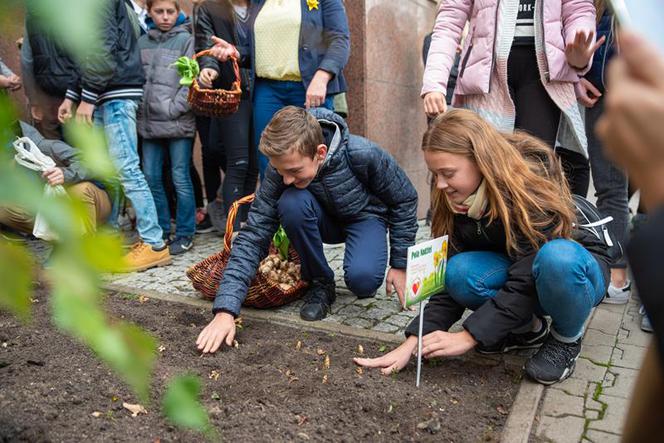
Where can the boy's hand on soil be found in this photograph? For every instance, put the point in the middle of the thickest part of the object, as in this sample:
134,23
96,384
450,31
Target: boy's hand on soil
446,344
396,281
221,329
207,76
434,104
393,361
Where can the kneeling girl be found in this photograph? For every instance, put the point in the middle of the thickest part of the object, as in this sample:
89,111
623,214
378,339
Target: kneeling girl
516,254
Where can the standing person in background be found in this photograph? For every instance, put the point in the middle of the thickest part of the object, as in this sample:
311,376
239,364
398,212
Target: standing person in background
49,71
229,20
213,156
519,64
139,17
298,51
165,120
610,181
111,86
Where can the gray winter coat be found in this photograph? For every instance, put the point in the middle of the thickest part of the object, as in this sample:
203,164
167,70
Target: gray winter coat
164,112
358,180
64,156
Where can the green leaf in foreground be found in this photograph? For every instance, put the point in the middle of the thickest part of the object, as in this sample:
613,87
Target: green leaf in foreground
16,276
126,348
91,143
181,405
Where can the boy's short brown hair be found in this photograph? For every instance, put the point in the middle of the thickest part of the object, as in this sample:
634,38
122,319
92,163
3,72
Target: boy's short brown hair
291,128
150,3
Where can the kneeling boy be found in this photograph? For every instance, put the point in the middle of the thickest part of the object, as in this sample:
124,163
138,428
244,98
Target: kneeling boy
323,185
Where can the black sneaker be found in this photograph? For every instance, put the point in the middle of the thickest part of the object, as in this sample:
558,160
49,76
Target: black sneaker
513,342
554,362
204,226
180,245
318,300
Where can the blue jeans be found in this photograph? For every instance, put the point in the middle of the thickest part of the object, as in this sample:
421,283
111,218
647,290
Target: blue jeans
568,280
118,119
269,97
308,226
179,149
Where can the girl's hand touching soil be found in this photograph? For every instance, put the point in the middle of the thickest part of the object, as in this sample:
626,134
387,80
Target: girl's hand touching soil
393,361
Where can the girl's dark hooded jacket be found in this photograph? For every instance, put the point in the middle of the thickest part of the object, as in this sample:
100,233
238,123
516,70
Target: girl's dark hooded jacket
515,302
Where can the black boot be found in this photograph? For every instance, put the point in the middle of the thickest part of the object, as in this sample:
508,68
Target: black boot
318,300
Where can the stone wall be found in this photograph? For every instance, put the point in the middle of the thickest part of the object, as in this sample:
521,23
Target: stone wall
386,72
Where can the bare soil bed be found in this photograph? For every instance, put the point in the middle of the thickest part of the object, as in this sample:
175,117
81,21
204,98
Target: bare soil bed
267,389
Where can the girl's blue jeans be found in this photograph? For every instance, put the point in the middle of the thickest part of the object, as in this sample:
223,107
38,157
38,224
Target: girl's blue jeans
568,280
179,149
269,97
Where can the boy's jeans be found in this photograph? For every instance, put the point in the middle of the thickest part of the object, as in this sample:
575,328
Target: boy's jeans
568,279
154,151
118,119
308,226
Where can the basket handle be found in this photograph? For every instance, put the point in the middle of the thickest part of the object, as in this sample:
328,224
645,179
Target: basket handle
230,220
236,69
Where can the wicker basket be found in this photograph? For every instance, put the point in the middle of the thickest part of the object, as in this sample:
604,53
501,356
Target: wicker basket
215,102
263,293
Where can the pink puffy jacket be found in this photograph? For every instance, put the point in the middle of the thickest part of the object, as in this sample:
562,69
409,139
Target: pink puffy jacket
562,18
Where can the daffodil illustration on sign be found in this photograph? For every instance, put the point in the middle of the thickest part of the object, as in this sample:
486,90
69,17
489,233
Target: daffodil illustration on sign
313,4
425,270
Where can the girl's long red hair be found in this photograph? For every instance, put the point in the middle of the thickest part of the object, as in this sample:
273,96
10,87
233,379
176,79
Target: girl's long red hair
526,188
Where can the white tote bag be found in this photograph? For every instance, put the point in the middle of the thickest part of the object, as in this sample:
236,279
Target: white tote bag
29,156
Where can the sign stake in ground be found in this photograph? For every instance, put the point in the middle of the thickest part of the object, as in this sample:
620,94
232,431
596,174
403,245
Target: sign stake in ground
425,276
419,345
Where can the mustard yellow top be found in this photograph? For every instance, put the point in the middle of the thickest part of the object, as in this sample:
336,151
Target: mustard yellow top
277,40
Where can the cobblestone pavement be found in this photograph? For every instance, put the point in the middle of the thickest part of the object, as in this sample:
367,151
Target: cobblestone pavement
591,405
380,313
